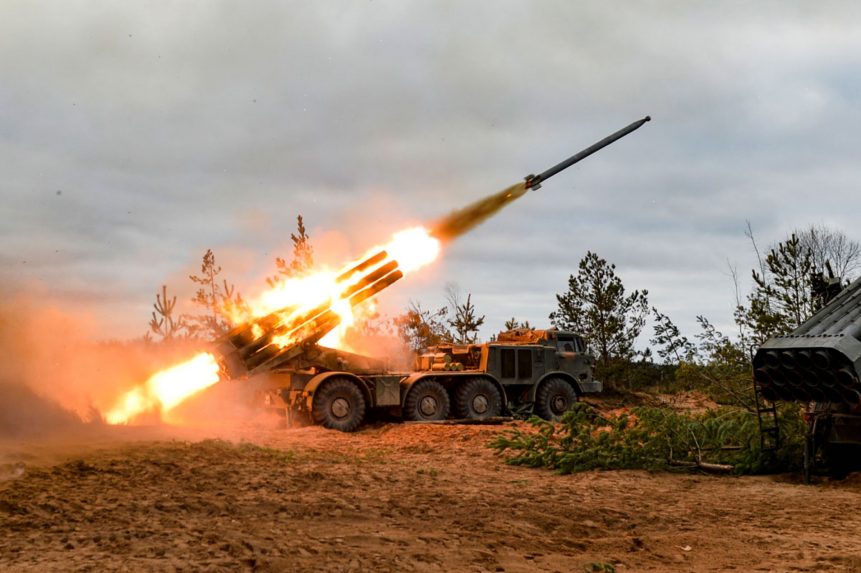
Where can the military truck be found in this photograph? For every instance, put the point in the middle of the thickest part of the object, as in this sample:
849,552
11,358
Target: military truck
538,371
542,370
524,371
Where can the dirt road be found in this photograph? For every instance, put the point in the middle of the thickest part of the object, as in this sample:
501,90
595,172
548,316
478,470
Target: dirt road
395,498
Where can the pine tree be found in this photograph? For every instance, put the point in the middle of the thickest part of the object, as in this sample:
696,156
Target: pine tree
783,292
303,255
215,297
672,345
513,324
596,307
464,321
163,322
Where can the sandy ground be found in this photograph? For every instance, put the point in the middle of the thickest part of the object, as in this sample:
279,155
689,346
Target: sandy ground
393,497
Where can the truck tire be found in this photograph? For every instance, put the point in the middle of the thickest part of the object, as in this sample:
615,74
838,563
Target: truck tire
427,400
554,397
477,398
338,405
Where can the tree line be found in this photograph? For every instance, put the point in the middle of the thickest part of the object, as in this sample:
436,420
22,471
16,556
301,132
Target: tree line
791,280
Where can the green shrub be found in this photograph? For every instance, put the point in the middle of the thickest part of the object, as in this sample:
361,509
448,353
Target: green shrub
654,439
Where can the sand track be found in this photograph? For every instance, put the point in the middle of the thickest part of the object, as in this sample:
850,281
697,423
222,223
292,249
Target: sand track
397,498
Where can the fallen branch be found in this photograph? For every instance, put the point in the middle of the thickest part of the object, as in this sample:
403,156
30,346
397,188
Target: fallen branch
705,466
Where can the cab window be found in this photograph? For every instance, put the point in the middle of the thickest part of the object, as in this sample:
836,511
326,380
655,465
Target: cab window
566,344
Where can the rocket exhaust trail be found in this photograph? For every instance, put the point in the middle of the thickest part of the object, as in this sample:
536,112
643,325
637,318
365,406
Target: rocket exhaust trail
463,220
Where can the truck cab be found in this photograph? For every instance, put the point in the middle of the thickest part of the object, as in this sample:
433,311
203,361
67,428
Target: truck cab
518,362
537,371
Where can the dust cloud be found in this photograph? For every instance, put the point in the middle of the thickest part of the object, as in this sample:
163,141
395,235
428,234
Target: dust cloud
55,378
389,349
48,373
23,413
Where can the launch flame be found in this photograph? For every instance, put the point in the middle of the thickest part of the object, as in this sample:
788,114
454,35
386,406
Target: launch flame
294,298
289,309
166,389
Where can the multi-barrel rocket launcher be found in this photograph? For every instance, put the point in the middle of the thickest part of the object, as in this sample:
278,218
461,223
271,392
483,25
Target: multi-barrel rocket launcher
818,365
264,343
820,361
261,344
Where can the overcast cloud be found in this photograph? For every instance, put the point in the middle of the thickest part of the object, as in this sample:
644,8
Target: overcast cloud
135,135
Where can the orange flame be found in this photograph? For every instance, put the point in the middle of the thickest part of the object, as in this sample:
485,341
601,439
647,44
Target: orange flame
166,389
411,249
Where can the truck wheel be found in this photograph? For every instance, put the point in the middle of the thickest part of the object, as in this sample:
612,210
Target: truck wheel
427,400
555,396
477,398
339,405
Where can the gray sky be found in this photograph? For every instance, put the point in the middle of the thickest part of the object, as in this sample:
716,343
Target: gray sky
135,135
